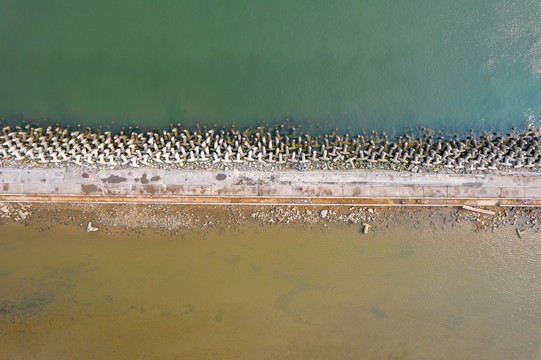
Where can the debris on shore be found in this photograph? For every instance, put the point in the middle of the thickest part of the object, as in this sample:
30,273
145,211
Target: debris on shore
90,228
173,218
15,211
481,211
366,227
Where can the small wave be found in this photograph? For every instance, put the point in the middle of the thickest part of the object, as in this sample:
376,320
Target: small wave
535,57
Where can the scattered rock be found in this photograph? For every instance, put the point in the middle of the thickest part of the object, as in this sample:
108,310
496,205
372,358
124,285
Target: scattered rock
21,214
90,228
366,227
323,214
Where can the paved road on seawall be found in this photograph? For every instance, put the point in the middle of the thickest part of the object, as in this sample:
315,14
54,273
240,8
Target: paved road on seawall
353,187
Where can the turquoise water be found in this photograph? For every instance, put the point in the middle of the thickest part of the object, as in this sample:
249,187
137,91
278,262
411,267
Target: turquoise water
360,64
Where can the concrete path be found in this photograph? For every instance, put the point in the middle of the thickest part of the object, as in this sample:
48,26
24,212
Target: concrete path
355,187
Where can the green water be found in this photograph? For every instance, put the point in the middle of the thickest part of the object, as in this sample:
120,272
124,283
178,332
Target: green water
357,64
269,293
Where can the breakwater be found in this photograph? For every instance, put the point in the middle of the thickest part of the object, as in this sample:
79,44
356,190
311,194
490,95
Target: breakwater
280,147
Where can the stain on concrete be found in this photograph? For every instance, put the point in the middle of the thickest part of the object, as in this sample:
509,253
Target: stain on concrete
174,189
87,189
151,189
221,177
246,181
114,179
144,179
85,175
155,178
6,187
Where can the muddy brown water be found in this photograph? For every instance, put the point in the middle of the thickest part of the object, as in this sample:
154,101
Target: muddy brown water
272,292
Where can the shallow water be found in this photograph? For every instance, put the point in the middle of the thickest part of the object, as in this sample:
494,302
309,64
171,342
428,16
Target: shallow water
360,64
270,292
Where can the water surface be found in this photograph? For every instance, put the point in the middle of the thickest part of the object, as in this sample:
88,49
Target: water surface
269,292
359,64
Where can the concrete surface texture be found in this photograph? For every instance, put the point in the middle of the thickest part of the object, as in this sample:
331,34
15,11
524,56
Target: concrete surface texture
186,186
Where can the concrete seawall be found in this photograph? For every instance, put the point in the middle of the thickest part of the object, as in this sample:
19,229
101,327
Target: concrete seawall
352,187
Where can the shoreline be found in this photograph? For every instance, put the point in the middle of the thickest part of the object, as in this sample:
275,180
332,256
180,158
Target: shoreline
170,218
